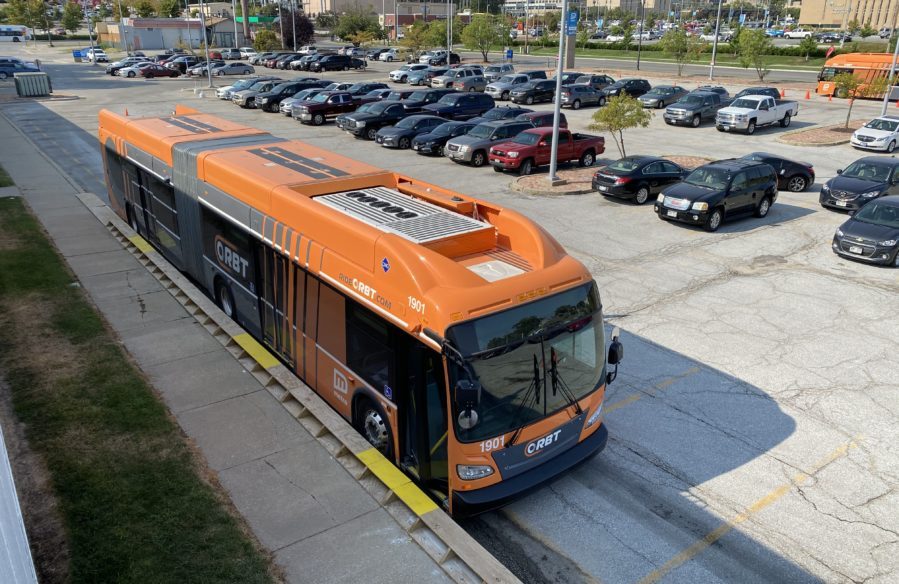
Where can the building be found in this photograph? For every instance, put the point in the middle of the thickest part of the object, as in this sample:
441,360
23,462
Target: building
838,13
165,33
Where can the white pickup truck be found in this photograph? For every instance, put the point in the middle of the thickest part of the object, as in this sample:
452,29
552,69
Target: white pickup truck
752,111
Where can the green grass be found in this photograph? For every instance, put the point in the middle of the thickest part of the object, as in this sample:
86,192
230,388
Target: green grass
5,180
131,495
774,61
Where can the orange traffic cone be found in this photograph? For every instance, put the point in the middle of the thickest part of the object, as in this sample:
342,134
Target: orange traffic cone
829,97
808,94
897,103
783,93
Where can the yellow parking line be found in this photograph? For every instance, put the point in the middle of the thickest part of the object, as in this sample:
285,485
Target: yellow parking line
396,481
655,389
725,528
255,350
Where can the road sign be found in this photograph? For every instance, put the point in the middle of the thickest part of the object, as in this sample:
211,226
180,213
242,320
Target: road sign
599,23
571,28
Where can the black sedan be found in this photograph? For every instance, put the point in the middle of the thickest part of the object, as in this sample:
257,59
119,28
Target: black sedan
366,121
401,134
865,179
662,95
791,176
434,141
872,234
500,113
637,177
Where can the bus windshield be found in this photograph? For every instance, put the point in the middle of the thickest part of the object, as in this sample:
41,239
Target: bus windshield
510,354
828,73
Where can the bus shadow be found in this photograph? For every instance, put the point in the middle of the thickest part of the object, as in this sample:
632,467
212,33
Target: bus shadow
675,425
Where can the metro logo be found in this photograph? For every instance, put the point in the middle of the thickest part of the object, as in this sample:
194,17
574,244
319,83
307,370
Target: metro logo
537,445
228,257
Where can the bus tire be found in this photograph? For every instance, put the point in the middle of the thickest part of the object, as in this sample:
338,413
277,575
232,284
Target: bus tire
15,39
224,298
371,421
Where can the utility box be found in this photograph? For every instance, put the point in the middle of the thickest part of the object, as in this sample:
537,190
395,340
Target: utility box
33,84
76,54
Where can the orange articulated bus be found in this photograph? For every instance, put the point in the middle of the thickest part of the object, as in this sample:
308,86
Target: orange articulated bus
868,67
458,337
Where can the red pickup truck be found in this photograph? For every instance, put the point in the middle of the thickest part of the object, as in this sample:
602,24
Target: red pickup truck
533,148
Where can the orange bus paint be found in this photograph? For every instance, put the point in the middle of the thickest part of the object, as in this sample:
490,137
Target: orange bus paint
868,67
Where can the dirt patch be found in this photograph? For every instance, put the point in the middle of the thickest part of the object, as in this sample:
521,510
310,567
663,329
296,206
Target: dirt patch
822,135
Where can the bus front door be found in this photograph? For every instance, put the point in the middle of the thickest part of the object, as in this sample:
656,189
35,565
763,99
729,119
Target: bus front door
424,422
274,307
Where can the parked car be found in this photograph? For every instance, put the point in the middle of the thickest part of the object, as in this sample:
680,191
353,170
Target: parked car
596,81
303,63
879,134
768,91
494,72
862,181
502,87
424,76
345,49
375,95
428,56
569,77
791,176
577,95
401,75
373,54
798,33
472,83
543,119
441,60
112,68
230,54
460,106
774,32
134,70
500,113
261,58
365,123
287,62
400,135
183,63
633,87
341,86
226,92
200,68
336,63
454,76
872,234
637,178
833,37
394,95
270,101
246,98
473,147
662,95
434,141
154,70
286,106
360,89
693,108
750,112
534,92
324,106
720,90
9,69
421,98
97,55
247,52
719,191
394,54
533,147
307,50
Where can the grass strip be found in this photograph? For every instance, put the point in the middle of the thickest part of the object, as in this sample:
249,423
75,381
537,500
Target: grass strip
135,503
5,180
773,61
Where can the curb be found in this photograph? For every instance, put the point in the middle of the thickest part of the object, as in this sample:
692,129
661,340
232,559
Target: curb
516,185
783,138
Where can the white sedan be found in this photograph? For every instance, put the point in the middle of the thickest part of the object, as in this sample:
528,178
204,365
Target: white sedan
233,68
401,75
133,70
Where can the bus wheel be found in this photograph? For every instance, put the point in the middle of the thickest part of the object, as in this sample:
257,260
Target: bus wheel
132,220
374,427
224,298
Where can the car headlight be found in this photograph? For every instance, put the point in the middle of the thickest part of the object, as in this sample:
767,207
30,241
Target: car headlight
660,198
839,233
360,124
513,154
594,417
700,206
471,472
465,148
742,118
264,100
871,194
888,243
825,189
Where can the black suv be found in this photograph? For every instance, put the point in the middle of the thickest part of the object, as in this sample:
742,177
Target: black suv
632,87
718,191
269,101
423,97
376,116
460,106
865,179
336,63
534,91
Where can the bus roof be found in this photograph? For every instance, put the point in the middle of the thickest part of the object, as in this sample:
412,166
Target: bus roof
864,60
419,254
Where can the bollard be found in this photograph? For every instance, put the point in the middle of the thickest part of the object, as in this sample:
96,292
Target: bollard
829,97
808,94
783,93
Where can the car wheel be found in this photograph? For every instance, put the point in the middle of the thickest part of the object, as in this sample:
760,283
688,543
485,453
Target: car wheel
796,184
318,119
602,101
404,143
470,89
3,75
642,195
346,67
525,168
576,105
696,121
371,133
403,79
714,220
750,129
374,427
497,169
504,96
763,208
891,146
587,159
219,73
660,104
529,100
785,122
131,73
478,159
440,151
896,260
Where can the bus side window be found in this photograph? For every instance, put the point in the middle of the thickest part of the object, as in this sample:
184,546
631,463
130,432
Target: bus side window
369,346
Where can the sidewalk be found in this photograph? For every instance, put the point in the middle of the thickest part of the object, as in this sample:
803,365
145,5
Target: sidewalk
303,505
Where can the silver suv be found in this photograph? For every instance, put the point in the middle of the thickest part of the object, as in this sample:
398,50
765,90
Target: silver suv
455,75
500,88
474,146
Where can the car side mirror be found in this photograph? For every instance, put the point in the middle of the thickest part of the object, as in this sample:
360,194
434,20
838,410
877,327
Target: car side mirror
839,171
467,394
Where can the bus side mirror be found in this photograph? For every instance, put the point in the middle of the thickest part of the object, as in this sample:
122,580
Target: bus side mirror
467,396
616,355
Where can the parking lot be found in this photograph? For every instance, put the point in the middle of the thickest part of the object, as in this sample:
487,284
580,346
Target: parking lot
753,427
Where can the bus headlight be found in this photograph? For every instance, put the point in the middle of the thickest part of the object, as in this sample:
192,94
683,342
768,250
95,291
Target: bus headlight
595,417
471,472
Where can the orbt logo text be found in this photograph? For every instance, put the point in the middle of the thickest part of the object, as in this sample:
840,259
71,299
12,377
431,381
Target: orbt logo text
229,258
537,445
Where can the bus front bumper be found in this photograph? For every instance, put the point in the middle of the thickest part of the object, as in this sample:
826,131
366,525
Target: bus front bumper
468,503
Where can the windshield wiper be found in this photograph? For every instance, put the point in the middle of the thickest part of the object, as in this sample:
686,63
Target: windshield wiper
559,383
535,385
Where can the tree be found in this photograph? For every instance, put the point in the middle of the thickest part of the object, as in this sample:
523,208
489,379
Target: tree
416,37
169,8
853,26
437,32
326,20
484,33
621,113
583,37
72,17
628,36
357,20
681,47
807,45
754,49
867,30
266,40
848,85
144,8
296,24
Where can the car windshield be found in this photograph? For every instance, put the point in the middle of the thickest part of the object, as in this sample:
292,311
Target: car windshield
745,103
305,94
507,79
624,165
365,108
662,91
511,354
456,73
864,169
481,131
394,96
496,113
584,79
879,213
321,98
526,138
418,96
691,99
445,129
710,178
379,107
448,100
881,124
493,69
406,124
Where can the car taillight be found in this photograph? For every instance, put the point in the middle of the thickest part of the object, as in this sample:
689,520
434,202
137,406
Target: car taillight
622,180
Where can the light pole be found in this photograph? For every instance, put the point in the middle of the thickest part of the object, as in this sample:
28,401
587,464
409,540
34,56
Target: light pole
554,180
640,39
280,21
396,25
205,42
234,18
892,72
122,27
293,24
715,43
